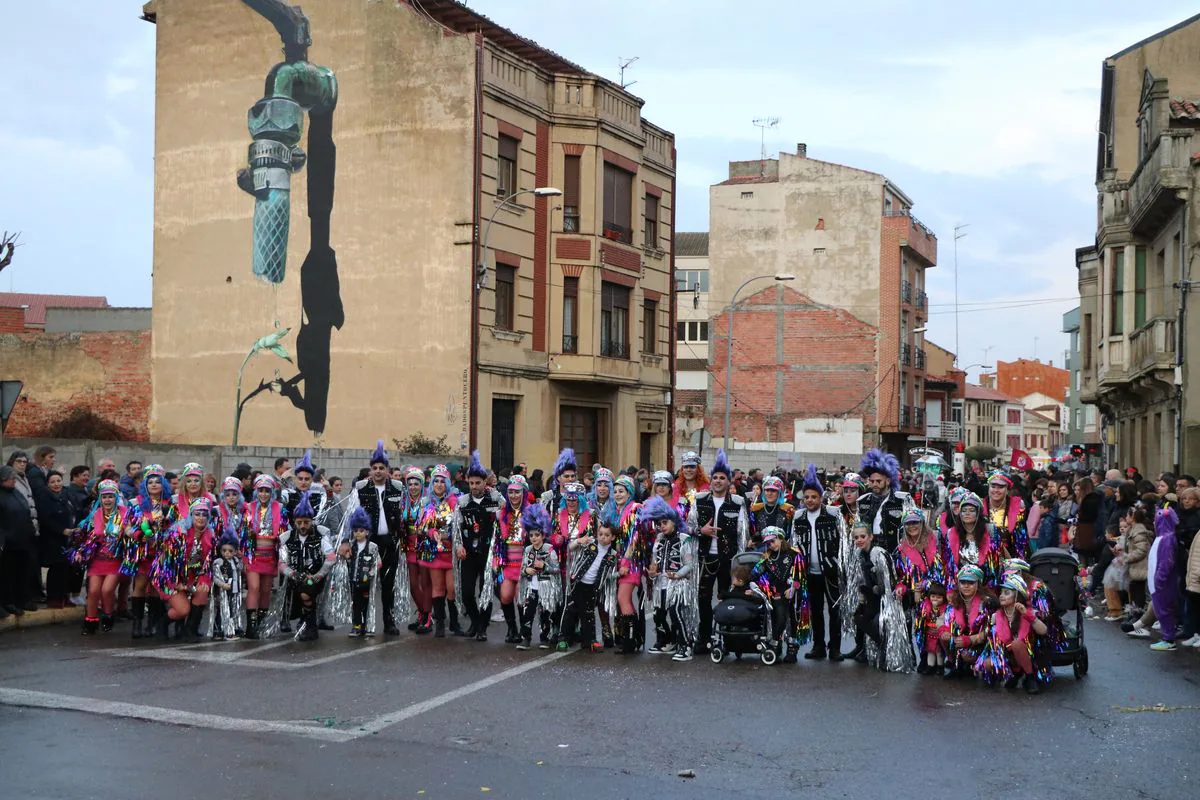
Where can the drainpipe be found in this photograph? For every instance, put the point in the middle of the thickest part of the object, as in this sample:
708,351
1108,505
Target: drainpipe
473,414
1180,334
671,337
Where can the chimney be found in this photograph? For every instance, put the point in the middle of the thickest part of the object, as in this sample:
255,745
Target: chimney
801,150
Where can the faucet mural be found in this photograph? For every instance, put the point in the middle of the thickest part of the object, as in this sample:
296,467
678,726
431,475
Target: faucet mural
276,123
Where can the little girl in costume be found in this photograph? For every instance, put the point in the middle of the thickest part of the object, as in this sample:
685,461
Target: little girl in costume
540,589
1008,654
226,595
928,627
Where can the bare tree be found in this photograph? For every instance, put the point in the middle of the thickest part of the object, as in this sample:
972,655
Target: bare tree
8,245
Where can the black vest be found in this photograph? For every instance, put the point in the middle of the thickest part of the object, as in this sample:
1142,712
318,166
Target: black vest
318,501
478,520
307,556
829,540
393,508
891,520
732,509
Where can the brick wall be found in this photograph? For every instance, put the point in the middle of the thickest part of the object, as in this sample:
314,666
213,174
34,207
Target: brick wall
892,231
12,320
1026,376
97,380
792,359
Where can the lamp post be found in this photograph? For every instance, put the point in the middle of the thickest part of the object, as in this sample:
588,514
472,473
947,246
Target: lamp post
729,339
481,268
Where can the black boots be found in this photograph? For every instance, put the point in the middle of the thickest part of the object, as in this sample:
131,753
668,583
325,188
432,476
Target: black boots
308,622
452,614
91,625
139,617
439,617
790,658
192,624
106,622
628,633
510,619
482,618
252,623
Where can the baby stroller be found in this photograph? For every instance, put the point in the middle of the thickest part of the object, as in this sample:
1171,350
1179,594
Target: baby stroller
1059,570
743,624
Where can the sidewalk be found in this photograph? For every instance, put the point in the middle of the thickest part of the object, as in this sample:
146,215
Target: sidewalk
43,616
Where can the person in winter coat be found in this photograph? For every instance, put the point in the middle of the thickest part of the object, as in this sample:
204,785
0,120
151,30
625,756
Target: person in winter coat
1137,551
17,542
1189,521
56,519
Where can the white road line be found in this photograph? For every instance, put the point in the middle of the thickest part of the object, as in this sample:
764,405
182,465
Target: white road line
170,716
249,651
395,717
241,658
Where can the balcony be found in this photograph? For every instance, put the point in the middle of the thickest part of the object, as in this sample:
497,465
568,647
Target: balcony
922,301
906,292
1152,347
944,430
1154,187
912,417
905,416
570,344
1111,369
906,355
611,348
914,236
919,358
618,233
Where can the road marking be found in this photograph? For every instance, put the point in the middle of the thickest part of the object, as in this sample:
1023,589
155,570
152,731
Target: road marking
241,658
170,716
396,717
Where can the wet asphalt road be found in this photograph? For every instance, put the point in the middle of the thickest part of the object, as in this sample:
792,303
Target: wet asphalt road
423,718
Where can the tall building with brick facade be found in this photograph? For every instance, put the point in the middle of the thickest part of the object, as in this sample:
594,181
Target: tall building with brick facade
436,114
849,237
1027,376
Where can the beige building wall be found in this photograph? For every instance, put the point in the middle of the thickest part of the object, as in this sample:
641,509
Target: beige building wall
401,226
818,221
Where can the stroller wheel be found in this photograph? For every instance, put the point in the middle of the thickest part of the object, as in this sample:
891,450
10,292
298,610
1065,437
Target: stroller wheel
1081,664
717,655
768,657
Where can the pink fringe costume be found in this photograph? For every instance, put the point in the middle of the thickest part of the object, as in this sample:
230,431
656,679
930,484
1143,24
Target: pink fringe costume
105,541
264,526
436,542
510,543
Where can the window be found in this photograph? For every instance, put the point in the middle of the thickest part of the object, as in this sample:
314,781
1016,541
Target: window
506,296
570,315
1117,308
1085,346
818,251
571,194
1139,287
747,195
1078,419
686,280
1014,416
649,327
614,320
651,232
618,201
691,331
506,165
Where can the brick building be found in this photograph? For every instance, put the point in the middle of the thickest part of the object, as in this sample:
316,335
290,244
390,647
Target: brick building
1026,376
849,237
794,360
85,367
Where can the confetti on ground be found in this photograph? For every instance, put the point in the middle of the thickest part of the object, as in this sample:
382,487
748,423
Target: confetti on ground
1159,708
540,763
686,773
564,745
484,789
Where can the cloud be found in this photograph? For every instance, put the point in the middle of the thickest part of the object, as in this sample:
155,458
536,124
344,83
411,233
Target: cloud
117,85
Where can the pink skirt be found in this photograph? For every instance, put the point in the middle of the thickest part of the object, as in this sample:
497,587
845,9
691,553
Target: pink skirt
410,552
143,567
441,561
264,566
104,566
634,578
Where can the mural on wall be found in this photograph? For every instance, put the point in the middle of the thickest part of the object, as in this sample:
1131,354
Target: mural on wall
276,122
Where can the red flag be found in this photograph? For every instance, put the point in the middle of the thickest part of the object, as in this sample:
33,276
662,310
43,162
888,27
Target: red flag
1021,460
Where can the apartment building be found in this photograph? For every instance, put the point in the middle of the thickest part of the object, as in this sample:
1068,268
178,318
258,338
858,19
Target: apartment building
691,337
495,266
1082,422
857,258
1134,279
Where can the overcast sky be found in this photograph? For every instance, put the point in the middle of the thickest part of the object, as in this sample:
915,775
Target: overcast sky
984,117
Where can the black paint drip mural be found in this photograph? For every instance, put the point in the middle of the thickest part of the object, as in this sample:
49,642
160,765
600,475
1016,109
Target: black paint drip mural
276,123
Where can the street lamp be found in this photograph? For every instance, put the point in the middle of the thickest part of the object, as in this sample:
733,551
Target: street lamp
781,277
481,268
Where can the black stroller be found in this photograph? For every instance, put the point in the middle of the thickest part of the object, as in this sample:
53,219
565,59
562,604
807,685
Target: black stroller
743,624
1059,570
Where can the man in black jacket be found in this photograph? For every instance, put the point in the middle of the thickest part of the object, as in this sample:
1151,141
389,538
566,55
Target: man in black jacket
17,541
383,500
718,518
818,532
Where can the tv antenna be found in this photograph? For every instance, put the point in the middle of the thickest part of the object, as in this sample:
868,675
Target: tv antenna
624,64
762,123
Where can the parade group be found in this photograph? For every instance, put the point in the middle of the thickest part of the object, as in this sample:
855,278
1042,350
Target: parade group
946,591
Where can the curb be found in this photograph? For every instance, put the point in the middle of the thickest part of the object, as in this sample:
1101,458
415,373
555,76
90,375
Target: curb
44,616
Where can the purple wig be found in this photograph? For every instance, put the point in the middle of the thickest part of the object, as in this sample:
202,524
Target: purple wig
305,464
656,509
380,455
721,465
875,460
535,518
475,468
811,481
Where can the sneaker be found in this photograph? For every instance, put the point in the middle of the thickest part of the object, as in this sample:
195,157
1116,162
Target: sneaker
562,647
597,647
1139,633
683,655
1163,646
1192,642
1113,618
1127,627
1089,613
523,645
1157,626
656,649
543,644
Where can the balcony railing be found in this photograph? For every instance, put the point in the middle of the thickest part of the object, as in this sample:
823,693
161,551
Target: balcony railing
905,416
1111,368
571,219
614,349
1152,346
618,233
906,354
944,430
1152,189
906,292
570,343
922,300
918,417
919,360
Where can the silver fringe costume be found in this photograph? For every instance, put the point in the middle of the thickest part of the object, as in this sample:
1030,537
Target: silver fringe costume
281,600
852,577
225,605
340,599
893,626
404,607
549,584
682,593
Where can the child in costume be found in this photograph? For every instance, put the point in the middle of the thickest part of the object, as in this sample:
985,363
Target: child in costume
674,573
781,574
740,584
881,630
593,566
362,571
306,557
928,626
226,596
101,543
266,519
182,571
541,583
1008,654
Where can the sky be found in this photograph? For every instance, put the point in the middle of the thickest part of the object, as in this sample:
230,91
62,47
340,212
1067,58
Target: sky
984,119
